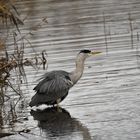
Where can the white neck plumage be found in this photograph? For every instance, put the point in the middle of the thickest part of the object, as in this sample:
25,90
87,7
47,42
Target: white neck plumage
77,73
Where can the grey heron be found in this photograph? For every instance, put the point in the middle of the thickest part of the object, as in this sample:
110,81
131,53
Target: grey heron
54,85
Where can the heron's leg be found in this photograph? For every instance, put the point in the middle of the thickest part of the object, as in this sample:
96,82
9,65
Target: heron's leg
58,107
58,101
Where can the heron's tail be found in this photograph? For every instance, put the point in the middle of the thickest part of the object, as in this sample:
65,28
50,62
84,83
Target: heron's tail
36,100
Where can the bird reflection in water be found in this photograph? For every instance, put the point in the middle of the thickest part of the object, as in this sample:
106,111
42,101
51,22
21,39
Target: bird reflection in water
60,124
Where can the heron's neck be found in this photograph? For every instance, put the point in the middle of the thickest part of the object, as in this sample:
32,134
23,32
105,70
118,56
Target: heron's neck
77,73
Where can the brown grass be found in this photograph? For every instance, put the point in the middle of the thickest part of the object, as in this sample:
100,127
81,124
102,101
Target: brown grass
8,13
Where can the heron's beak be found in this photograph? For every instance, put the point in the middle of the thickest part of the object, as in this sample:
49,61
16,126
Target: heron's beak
95,52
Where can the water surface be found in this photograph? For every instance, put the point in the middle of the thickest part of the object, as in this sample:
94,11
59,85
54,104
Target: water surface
105,102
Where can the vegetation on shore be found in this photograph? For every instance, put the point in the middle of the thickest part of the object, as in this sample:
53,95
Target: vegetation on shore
10,24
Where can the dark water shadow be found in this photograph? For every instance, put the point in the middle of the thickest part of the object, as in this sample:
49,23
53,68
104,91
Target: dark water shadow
60,124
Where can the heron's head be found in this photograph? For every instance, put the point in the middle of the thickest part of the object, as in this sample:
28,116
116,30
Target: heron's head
86,53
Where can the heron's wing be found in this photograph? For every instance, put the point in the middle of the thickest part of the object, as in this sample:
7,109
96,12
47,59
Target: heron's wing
54,83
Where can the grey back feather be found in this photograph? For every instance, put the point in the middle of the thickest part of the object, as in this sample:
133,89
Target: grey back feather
54,82
53,85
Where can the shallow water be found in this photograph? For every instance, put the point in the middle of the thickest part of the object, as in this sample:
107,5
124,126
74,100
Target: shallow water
105,103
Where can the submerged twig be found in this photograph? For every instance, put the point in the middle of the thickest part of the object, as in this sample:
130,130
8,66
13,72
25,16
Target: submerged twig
44,60
131,30
105,34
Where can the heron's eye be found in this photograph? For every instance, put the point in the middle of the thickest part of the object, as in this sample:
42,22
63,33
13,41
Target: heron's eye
85,51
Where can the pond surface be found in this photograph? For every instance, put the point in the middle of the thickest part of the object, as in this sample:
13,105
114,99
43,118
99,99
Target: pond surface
105,103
